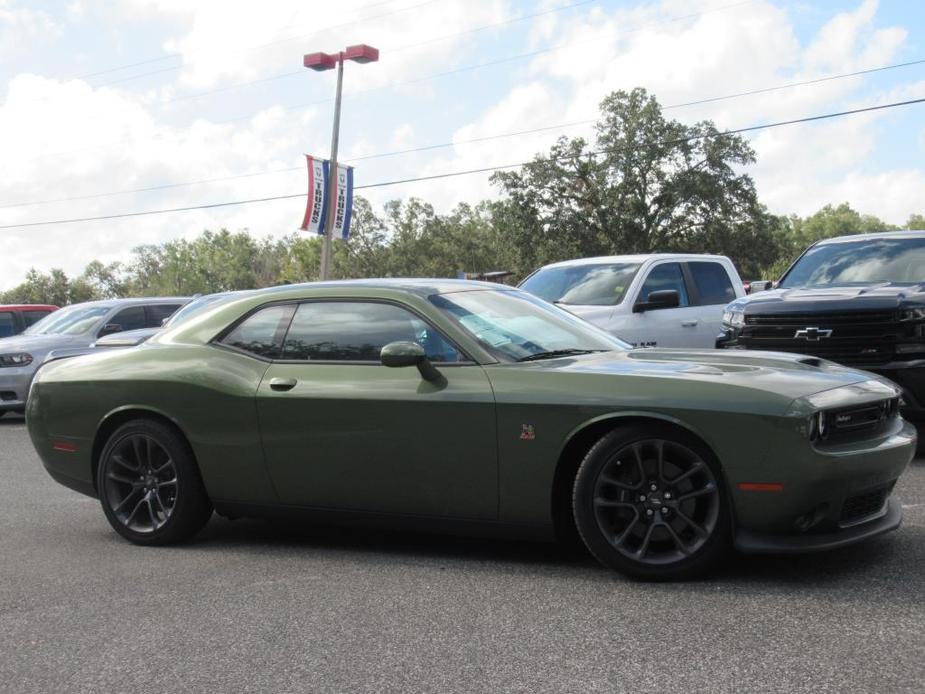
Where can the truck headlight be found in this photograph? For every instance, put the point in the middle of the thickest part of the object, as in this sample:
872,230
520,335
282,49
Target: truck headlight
734,319
18,359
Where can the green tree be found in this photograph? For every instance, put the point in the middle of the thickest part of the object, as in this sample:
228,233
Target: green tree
647,184
916,222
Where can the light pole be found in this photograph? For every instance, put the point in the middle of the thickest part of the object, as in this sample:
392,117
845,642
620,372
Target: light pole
326,61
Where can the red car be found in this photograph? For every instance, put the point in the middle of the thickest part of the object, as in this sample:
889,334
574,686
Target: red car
14,318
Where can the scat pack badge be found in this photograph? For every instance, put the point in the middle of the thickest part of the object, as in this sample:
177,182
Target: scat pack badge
527,432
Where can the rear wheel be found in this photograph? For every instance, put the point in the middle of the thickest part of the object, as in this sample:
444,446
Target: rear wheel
649,502
149,485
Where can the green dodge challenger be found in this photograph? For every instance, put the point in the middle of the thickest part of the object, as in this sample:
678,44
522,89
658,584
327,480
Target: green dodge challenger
470,407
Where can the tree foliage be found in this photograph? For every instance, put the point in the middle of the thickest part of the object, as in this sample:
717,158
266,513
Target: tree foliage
647,184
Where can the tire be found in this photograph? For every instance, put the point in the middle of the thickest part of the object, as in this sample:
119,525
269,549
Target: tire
650,502
149,485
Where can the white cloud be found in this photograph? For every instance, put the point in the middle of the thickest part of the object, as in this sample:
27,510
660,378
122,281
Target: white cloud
22,27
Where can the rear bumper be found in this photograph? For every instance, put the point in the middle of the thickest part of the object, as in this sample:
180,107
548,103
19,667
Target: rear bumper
756,543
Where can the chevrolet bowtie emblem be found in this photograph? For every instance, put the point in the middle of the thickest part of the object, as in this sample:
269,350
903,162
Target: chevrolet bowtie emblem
812,334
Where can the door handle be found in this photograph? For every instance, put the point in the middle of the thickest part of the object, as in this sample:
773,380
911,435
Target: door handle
689,323
282,384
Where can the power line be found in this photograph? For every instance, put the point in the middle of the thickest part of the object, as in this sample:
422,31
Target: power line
475,140
451,174
416,80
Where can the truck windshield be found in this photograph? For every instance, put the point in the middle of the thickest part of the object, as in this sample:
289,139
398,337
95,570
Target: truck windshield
515,326
861,262
586,285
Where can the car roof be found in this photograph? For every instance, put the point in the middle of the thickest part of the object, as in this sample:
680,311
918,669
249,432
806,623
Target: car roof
874,236
140,301
421,286
635,258
28,307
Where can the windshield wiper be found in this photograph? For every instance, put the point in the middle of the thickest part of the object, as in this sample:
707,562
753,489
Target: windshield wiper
551,354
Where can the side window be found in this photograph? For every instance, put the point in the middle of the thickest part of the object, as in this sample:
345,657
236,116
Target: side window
130,318
261,333
665,276
357,331
713,283
33,317
7,326
158,313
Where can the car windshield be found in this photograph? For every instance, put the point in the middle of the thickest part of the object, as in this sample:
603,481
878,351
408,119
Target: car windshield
195,306
515,326
73,320
588,285
862,262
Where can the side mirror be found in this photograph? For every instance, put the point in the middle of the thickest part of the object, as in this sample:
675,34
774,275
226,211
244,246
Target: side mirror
401,354
665,298
110,328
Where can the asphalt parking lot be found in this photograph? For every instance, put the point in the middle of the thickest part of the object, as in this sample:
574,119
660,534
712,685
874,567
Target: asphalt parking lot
253,608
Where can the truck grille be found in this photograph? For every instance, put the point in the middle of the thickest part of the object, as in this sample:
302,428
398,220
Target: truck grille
863,506
856,337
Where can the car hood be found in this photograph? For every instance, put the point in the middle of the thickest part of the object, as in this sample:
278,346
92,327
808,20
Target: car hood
781,376
883,296
41,343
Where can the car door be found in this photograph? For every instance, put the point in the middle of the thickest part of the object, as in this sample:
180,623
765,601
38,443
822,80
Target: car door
342,431
713,290
665,327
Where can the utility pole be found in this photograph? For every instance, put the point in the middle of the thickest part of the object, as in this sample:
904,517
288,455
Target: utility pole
325,61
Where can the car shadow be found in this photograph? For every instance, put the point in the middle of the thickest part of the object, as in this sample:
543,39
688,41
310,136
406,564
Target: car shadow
891,563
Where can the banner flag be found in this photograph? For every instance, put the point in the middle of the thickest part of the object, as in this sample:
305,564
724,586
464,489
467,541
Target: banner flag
344,199
315,207
318,204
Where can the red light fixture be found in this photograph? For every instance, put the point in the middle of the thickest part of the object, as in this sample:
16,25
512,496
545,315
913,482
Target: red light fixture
320,61
361,53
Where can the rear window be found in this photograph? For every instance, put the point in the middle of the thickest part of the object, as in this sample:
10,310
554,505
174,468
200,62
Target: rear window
713,283
158,313
261,334
7,326
587,285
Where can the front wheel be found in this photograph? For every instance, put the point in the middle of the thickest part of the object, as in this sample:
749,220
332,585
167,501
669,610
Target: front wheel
149,485
649,502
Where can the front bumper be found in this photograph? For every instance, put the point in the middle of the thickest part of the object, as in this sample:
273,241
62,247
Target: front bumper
14,387
829,496
756,543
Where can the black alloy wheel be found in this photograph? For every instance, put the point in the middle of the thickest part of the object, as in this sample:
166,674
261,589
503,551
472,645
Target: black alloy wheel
651,504
149,485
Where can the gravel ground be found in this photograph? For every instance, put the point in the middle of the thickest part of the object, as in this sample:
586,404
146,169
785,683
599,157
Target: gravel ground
251,608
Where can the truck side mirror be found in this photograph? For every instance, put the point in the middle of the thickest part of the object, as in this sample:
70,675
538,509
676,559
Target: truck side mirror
665,298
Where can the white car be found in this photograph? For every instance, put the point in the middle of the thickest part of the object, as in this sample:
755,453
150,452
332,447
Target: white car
657,300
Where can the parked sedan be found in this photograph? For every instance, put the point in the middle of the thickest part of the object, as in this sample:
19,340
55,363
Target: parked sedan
460,405
73,327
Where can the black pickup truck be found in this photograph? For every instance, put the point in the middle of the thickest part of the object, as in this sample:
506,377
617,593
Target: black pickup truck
856,300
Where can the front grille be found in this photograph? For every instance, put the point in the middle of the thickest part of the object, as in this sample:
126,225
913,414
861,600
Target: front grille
7,395
850,337
863,506
859,422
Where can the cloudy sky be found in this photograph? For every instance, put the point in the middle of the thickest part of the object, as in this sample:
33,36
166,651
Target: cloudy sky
101,98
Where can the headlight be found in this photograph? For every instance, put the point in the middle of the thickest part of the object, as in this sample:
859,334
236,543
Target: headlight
734,319
20,359
911,314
